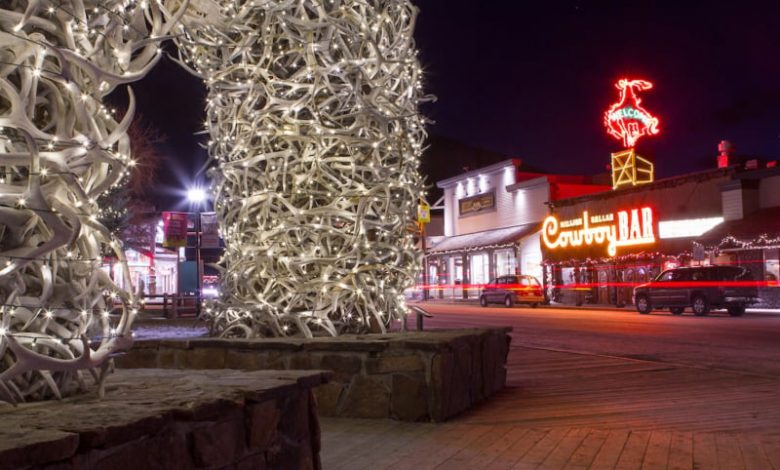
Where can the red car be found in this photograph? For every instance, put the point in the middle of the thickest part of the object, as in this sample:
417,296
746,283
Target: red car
512,289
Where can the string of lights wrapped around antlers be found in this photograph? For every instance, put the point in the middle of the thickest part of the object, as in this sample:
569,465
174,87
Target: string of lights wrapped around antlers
60,149
315,144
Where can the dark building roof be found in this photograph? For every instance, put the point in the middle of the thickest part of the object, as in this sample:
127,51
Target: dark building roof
506,236
749,229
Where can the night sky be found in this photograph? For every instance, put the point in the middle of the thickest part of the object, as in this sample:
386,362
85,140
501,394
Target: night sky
531,80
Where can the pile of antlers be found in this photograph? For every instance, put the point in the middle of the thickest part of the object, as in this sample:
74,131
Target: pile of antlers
315,144
60,149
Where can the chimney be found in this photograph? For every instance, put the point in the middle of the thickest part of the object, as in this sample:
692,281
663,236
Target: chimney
726,149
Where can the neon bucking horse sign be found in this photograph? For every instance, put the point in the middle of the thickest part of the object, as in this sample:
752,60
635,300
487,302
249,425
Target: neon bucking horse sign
626,120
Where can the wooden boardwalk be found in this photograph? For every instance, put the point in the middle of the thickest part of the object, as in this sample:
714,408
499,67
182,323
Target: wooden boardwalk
565,410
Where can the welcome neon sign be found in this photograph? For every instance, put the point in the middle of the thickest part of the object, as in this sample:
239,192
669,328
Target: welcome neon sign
627,120
633,227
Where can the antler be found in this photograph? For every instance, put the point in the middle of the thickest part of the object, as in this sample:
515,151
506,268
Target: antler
60,150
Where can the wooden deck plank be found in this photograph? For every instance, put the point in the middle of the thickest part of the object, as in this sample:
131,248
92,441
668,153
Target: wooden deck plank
442,446
753,455
772,450
462,459
657,453
584,454
400,446
565,448
539,452
634,451
363,432
705,453
365,454
492,453
729,454
608,455
517,451
681,451
420,445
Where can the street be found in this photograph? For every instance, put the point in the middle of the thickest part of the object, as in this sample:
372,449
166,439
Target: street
597,389
748,344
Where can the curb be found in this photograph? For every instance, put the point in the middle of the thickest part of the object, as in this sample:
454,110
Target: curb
611,308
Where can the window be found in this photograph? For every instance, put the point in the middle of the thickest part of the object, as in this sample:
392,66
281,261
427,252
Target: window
479,269
771,265
665,276
505,262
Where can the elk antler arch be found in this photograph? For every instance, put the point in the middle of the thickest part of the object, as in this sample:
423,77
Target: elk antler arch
315,140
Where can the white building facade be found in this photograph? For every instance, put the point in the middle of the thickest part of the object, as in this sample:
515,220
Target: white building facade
492,223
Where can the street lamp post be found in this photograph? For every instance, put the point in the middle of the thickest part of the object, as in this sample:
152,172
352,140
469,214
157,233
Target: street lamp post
197,197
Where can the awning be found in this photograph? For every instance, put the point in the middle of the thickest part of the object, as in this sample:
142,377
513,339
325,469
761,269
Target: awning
757,229
497,238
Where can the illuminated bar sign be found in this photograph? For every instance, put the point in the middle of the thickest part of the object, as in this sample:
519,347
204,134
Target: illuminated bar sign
626,228
482,202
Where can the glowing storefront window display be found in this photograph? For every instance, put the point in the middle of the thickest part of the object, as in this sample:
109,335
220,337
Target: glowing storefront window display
687,228
505,262
480,269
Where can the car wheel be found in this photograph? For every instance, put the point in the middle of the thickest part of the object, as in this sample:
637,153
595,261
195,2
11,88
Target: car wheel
535,304
737,310
643,304
483,301
701,306
676,310
509,302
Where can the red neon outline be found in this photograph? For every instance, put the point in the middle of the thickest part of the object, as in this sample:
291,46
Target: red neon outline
627,128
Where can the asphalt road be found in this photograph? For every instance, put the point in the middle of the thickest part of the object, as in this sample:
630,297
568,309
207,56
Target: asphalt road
749,345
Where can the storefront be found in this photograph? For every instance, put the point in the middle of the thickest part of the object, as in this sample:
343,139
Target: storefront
153,277
492,222
460,265
598,247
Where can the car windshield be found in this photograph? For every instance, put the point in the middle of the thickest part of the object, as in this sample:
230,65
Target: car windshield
674,275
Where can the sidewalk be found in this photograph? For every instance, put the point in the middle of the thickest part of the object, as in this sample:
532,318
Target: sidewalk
563,410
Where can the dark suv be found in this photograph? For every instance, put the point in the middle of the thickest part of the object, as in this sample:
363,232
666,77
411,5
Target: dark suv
698,287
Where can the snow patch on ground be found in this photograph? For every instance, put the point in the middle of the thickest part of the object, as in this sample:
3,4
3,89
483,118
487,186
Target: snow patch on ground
168,332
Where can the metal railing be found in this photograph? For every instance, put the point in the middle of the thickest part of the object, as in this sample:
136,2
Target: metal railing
173,305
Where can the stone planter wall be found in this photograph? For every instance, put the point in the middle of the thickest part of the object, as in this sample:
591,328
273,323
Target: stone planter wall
415,376
163,419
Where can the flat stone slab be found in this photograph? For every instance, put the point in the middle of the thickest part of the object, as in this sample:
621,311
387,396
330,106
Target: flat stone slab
151,410
430,340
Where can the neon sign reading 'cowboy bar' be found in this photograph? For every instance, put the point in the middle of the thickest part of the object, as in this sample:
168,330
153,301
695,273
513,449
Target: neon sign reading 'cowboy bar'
633,227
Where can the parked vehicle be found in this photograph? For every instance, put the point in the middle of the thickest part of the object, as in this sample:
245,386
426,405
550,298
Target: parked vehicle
699,287
511,290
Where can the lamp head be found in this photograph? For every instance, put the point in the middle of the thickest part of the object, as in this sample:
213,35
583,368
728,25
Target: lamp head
196,195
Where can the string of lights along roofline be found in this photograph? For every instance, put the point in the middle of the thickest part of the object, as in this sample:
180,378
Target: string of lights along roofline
310,105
